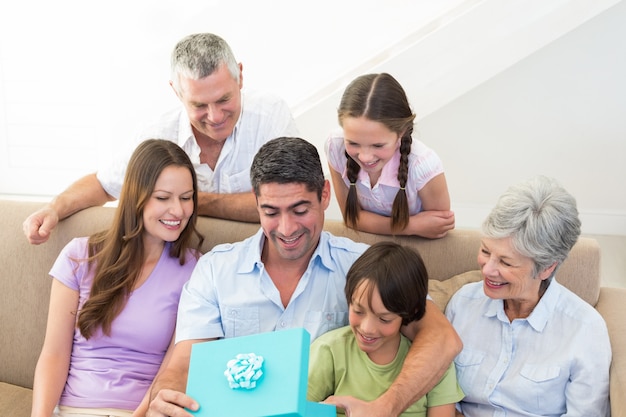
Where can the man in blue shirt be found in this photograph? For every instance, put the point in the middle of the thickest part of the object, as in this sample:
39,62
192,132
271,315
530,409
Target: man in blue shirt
290,274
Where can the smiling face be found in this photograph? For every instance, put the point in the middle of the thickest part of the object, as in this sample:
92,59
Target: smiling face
377,330
508,275
292,218
371,144
170,205
213,103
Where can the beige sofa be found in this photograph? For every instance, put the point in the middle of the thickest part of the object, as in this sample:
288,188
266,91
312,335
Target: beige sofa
25,287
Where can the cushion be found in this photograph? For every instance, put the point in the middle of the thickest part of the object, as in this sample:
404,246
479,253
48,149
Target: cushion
441,291
15,401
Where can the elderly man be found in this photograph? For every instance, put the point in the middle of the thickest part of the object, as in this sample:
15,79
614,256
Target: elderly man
219,125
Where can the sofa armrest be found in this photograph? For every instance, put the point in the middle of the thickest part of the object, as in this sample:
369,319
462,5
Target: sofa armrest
612,307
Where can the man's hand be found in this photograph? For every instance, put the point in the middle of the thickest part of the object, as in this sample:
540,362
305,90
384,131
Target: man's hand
354,407
171,403
85,192
38,226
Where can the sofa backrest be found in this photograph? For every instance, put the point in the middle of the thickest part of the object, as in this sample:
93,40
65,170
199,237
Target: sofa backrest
457,252
25,282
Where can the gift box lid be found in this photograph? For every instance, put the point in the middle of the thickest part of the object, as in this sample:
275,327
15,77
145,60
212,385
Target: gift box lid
280,390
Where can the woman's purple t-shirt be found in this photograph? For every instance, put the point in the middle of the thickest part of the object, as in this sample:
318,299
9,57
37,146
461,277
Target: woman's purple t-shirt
115,371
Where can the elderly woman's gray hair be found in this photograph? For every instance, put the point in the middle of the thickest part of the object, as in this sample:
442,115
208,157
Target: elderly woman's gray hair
541,219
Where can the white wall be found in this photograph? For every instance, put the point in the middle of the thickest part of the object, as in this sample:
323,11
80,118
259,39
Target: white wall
77,78
559,112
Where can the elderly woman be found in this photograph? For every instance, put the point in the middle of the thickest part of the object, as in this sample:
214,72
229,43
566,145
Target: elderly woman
531,346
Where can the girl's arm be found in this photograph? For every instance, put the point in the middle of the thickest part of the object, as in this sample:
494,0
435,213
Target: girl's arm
433,223
434,194
54,361
430,224
435,219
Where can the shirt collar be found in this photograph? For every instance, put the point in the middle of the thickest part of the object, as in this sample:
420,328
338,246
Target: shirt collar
322,252
185,131
240,118
539,316
248,263
545,307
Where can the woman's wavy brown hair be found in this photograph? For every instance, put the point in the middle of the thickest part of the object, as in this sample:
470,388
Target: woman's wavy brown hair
117,254
380,98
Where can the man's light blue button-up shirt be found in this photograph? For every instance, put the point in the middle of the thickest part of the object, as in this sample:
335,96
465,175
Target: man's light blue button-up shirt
230,294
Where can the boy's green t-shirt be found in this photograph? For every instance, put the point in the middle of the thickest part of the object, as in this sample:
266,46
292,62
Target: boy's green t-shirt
338,367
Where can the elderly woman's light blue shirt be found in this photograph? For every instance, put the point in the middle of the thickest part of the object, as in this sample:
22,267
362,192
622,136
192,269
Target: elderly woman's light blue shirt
553,363
230,293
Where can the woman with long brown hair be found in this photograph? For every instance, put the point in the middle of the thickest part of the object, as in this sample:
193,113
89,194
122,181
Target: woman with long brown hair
115,294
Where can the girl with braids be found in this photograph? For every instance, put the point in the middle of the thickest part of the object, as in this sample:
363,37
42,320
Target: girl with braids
386,182
114,296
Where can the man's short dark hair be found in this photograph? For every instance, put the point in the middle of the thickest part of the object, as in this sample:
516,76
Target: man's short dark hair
287,160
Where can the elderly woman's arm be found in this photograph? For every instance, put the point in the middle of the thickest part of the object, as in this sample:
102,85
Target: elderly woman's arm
587,392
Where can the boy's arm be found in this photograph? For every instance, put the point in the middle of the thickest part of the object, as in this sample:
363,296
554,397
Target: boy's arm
446,410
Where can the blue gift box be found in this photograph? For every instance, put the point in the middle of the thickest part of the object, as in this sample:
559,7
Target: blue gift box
281,391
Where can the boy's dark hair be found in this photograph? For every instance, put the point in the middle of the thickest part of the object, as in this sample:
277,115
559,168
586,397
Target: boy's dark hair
399,274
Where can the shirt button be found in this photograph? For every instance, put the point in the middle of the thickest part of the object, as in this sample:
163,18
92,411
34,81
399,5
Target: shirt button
282,324
329,317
